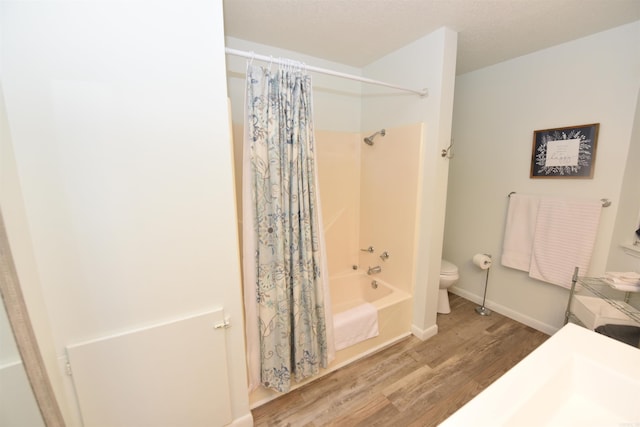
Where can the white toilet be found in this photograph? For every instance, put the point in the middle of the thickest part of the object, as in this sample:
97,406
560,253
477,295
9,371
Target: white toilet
448,276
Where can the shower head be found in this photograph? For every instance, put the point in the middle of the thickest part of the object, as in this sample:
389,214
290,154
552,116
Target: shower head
369,139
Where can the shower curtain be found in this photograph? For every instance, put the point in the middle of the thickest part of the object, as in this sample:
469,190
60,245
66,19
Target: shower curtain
287,306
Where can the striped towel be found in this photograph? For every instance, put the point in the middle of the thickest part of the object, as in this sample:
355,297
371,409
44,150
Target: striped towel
564,239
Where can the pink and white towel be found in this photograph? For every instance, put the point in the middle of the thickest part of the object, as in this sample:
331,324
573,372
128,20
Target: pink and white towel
564,238
549,237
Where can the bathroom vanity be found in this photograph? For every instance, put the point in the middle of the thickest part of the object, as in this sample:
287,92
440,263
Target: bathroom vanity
576,378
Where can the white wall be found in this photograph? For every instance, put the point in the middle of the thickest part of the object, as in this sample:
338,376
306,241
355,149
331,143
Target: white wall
426,63
15,390
119,122
590,80
12,206
12,374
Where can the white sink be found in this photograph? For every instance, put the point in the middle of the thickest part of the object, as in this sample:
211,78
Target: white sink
594,312
576,378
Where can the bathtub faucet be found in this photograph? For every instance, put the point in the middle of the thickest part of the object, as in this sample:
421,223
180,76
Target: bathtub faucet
374,270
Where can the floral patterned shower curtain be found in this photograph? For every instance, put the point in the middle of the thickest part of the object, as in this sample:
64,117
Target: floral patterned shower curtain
286,293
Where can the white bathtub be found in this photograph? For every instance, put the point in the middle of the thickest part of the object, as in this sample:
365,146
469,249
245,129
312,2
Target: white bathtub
394,312
347,291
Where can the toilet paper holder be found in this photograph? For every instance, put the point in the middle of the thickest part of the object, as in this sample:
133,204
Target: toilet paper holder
481,261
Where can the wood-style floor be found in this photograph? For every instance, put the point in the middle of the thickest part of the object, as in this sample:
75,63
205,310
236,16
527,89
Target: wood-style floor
413,382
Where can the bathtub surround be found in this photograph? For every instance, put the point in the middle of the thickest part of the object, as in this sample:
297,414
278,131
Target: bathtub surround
339,169
390,173
361,188
285,278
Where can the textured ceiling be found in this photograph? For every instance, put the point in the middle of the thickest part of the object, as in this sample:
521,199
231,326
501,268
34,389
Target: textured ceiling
357,32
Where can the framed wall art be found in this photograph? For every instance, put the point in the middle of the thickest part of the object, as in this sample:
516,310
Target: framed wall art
568,152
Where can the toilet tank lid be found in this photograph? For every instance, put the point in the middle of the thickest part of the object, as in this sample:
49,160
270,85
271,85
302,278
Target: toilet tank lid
448,267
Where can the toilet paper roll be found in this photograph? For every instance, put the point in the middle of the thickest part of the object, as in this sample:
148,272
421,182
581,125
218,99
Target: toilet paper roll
482,260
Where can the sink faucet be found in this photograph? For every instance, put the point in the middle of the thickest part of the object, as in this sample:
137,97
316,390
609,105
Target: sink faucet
374,270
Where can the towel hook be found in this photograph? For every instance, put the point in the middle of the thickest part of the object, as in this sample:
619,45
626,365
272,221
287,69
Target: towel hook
448,152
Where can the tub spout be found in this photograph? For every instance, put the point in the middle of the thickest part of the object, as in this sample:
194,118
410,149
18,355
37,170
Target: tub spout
374,270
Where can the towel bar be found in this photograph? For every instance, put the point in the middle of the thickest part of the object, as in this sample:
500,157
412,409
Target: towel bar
605,202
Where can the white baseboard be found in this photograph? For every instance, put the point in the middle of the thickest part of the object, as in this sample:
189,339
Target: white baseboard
424,334
505,311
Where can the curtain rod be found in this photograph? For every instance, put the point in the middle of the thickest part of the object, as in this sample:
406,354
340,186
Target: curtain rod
252,55
605,202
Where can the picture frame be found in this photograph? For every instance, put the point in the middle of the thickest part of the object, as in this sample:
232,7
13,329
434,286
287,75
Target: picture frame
566,152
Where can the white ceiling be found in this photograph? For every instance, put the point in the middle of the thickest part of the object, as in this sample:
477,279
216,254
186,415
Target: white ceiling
357,32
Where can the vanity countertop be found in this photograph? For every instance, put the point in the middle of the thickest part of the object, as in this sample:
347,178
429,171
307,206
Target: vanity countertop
576,378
